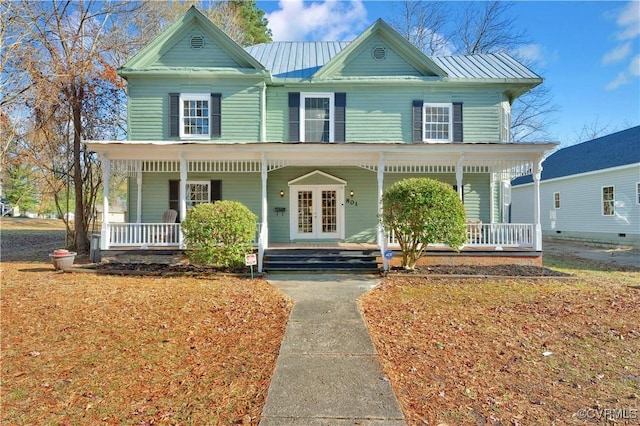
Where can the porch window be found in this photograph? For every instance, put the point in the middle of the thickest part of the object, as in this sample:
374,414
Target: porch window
556,200
198,193
608,201
438,123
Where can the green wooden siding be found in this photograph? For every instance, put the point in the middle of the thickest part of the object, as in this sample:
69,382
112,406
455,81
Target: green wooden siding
390,109
180,54
364,64
149,107
242,187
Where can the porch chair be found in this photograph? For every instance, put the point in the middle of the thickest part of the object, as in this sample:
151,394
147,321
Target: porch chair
166,234
474,230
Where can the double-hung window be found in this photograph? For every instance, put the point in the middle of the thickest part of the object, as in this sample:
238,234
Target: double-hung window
638,192
317,117
505,132
608,201
198,193
438,122
195,116
556,200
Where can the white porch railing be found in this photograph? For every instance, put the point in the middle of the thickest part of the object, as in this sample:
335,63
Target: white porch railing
144,235
520,235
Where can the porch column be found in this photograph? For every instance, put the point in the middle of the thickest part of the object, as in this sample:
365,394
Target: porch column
183,194
382,238
537,171
106,176
459,175
263,238
139,186
492,196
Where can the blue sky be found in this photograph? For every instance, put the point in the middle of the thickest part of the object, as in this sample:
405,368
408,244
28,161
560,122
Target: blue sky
588,52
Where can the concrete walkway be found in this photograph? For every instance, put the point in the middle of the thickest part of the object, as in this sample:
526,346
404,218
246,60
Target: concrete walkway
328,372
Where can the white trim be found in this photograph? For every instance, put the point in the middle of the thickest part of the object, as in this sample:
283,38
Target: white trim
556,206
331,97
593,172
505,122
317,233
317,172
426,105
188,193
194,97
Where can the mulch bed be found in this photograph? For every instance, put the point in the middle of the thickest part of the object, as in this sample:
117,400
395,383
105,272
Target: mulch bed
488,270
494,270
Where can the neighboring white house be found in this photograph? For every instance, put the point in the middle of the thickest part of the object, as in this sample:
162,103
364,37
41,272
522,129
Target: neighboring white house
588,192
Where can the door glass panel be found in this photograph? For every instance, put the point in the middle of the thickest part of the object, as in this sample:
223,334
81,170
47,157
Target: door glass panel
329,212
305,212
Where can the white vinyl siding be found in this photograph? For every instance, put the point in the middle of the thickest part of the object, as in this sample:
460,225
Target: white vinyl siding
581,213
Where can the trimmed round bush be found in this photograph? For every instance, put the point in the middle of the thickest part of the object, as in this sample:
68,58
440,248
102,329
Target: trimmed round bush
421,211
219,234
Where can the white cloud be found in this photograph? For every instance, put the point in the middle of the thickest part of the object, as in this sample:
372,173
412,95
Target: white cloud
531,54
620,80
627,19
634,66
296,20
617,54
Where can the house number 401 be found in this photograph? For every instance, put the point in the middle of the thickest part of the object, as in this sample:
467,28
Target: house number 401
352,202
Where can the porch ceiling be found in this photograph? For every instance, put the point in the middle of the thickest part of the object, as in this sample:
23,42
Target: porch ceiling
512,159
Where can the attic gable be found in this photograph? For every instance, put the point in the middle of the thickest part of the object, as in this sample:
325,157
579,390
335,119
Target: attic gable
193,41
380,51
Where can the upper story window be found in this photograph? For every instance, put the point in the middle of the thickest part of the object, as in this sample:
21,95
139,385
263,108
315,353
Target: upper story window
608,201
317,117
438,123
194,115
505,129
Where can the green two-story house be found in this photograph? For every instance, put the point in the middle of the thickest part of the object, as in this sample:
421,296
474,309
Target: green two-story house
309,134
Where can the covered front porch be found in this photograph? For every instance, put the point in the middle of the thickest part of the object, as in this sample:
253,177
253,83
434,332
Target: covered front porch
384,163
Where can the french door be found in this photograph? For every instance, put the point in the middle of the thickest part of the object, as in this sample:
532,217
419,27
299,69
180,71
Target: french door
317,212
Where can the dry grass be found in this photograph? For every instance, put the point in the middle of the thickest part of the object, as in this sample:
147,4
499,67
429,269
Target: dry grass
87,349
467,352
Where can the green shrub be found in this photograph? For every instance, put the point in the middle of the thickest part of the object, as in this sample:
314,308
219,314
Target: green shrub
219,234
423,211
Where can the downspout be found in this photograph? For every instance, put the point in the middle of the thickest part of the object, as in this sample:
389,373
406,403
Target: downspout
263,113
537,171
106,176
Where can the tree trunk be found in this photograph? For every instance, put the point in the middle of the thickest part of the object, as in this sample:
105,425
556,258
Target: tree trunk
80,224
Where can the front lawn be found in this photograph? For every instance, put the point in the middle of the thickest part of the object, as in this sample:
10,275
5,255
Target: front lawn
82,348
516,352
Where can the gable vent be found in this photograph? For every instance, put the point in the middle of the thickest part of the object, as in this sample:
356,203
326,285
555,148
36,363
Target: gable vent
379,53
197,42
